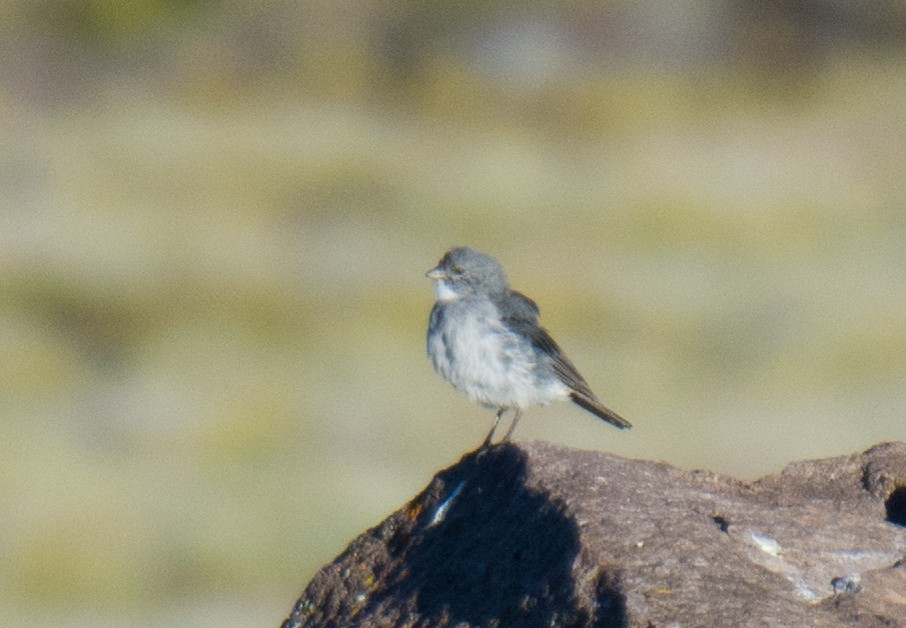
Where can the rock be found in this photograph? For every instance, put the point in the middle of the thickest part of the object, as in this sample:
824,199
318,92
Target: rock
534,534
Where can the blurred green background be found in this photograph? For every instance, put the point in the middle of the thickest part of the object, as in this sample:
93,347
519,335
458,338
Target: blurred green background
216,217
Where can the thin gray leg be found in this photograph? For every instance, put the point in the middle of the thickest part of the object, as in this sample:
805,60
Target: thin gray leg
487,441
509,432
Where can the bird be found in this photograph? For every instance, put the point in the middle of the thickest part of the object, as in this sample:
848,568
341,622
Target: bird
486,340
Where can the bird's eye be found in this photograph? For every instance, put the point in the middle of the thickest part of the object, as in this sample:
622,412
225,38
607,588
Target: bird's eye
457,270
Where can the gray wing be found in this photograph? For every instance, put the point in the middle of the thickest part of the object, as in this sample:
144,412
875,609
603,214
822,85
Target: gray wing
520,314
517,310
564,369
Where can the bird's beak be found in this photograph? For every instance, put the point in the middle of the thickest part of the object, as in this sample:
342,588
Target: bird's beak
436,273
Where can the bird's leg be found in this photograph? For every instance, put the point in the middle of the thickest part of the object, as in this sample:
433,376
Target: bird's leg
487,441
509,432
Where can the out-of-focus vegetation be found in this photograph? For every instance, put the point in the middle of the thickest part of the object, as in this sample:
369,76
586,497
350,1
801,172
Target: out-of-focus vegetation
216,217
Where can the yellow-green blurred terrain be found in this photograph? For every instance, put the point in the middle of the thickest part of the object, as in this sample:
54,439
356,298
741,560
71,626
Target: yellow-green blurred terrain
215,219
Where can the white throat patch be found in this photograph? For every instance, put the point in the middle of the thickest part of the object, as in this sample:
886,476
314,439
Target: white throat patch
444,292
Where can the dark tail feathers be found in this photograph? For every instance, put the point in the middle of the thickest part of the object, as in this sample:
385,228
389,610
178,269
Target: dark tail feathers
595,407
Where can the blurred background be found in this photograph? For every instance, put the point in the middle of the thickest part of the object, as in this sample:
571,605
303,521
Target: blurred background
216,217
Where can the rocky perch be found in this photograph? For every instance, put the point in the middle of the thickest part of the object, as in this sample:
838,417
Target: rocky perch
532,534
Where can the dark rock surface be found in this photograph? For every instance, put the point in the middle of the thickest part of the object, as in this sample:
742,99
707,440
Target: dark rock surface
533,534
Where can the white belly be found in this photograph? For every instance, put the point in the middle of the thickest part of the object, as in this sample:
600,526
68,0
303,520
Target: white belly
488,363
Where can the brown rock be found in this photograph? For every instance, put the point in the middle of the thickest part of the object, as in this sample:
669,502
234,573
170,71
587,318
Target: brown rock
539,535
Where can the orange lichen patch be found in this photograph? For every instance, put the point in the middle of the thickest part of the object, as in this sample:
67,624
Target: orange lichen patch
413,510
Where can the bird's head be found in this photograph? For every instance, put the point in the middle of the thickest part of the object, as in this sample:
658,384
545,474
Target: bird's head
464,272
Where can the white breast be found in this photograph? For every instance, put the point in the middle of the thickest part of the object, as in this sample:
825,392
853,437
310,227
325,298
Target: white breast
488,363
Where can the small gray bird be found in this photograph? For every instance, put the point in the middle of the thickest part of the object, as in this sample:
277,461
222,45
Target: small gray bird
484,338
